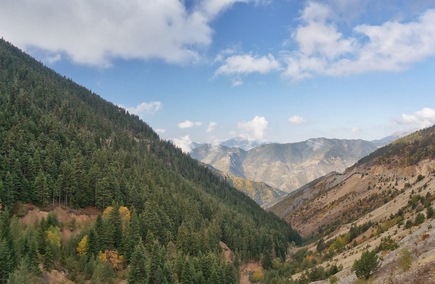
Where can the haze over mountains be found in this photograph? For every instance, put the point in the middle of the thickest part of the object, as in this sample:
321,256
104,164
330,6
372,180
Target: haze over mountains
285,166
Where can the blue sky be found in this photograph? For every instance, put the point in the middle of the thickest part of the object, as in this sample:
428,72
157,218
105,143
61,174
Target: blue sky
209,70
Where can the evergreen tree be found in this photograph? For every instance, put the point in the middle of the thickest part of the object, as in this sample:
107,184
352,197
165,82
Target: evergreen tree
6,260
93,247
7,251
188,273
230,274
99,232
367,265
138,272
40,186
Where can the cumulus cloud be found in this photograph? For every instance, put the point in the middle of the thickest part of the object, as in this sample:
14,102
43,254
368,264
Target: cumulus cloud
188,124
184,143
160,130
246,63
419,119
96,32
324,50
296,119
145,108
211,126
255,128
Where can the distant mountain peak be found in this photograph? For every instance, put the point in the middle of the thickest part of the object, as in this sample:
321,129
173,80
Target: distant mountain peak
243,143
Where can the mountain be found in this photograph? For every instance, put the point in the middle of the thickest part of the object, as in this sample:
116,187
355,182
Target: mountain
386,140
262,193
285,166
160,213
384,202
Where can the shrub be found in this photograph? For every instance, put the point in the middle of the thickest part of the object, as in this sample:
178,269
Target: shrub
367,265
405,259
387,243
419,219
333,279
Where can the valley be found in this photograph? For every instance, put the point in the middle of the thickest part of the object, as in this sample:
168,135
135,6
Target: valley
281,167
90,193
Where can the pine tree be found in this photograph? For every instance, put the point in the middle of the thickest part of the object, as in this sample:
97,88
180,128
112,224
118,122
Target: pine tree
40,187
93,247
188,273
138,272
7,251
6,260
230,274
367,265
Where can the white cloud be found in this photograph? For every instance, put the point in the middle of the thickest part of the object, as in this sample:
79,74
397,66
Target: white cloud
355,130
420,119
296,119
144,108
324,50
211,126
95,32
255,128
188,124
160,130
236,82
245,64
51,59
223,54
184,143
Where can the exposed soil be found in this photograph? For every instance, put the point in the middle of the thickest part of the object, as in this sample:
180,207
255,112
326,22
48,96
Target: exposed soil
247,269
73,220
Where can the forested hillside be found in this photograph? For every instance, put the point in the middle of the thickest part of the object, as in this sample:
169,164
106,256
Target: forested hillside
61,144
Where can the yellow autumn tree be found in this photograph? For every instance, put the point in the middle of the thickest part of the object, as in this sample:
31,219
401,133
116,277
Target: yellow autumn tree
82,247
115,260
124,213
54,236
107,211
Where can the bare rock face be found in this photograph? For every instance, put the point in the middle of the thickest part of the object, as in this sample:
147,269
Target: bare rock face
285,166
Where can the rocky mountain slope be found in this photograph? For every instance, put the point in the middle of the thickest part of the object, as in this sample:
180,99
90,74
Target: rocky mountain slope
383,202
285,166
260,192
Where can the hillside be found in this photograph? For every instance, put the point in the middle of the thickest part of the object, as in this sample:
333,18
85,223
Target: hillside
262,193
385,199
63,145
285,166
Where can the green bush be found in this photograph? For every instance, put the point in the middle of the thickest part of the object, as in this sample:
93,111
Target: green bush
405,259
367,265
387,243
419,219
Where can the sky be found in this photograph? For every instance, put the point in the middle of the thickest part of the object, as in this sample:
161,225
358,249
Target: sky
269,70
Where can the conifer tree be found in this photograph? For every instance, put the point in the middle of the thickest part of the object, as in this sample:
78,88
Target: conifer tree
138,271
93,247
6,260
188,273
367,265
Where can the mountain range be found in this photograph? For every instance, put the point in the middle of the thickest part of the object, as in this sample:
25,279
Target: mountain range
285,166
